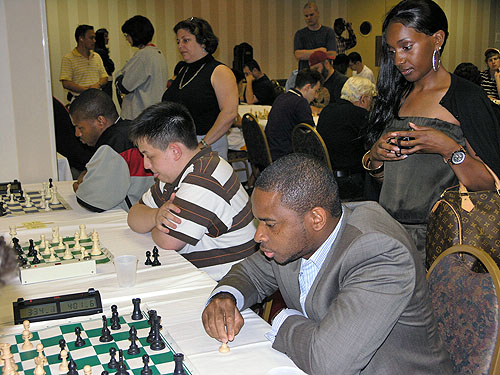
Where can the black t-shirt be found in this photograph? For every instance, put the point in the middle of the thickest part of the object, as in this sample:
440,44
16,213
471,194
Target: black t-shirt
263,90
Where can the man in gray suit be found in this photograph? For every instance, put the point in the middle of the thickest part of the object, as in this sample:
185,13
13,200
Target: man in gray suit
354,286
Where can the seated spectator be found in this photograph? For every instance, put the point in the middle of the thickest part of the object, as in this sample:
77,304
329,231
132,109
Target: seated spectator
259,89
291,109
197,205
114,176
356,292
332,79
490,78
358,68
341,125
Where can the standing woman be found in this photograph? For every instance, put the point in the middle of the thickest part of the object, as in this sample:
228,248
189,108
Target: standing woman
449,121
101,42
144,77
204,85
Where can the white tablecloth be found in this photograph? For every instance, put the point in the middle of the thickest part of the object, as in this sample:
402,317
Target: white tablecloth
176,289
63,168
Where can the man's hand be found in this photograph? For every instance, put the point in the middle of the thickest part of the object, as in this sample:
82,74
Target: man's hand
221,318
164,217
79,180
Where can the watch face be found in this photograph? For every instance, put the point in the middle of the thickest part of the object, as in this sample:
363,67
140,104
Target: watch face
457,157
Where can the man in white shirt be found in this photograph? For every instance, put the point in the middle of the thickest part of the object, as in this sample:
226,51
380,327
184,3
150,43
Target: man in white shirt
358,68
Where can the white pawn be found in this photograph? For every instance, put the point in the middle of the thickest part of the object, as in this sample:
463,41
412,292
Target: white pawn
47,250
26,326
12,201
87,370
67,254
41,359
96,249
83,253
55,234
42,241
63,367
12,230
39,370
42,203
27,343
61,244
83,232
47,206
94,234
54,196
77,245
28,202
53,257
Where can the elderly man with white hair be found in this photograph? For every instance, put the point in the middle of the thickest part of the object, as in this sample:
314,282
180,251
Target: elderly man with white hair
341,124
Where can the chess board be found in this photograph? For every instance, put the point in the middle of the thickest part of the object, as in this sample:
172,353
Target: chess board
95,353
19,208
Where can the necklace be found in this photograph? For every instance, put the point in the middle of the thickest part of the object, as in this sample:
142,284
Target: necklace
181,86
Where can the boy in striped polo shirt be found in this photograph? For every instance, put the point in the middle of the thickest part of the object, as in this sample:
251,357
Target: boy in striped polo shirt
197,205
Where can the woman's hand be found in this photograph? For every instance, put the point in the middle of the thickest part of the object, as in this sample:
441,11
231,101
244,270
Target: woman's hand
386,149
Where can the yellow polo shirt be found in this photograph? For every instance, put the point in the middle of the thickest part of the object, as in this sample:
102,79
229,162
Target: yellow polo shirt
78,69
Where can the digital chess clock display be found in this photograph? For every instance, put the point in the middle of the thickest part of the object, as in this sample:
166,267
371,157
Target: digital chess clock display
57,307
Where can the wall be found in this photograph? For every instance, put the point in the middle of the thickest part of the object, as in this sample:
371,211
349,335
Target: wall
268,25
27,137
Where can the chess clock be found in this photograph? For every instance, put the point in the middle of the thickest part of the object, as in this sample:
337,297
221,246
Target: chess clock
57,307
15,187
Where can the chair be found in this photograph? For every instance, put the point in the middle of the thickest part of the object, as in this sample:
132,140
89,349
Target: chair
306,139
257,147
466,308
234,157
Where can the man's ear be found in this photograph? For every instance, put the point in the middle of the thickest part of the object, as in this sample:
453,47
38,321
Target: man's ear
317,218
102,121
176,150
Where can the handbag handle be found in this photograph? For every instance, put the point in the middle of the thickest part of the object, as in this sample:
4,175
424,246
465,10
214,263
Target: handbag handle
467,204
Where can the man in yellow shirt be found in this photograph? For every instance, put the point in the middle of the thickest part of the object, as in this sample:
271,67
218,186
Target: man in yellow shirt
82,68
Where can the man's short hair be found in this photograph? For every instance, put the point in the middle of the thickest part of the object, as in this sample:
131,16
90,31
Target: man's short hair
164,123
304,182
468,71
202,31
489,53
140,29
252,64
355,87
339,22
306,76
354,57
311,4
341,63
81,30
91,104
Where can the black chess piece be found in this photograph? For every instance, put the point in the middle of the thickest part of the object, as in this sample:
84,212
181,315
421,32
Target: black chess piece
156,255
152,314
137,314
50,183
113,363
179,369
133,349
20,260
31,248
115,319
62,345
104,373
146,370
21,197
121,369
148,261
35,258
157,343
72,370
153,319
79,342
17,247
3,211
105,332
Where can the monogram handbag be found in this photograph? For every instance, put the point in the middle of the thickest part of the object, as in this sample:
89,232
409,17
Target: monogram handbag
463,217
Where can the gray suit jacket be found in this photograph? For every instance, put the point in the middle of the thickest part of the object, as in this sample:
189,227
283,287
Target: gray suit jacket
369,310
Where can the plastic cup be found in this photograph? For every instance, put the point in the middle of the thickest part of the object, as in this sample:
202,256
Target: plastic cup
126,270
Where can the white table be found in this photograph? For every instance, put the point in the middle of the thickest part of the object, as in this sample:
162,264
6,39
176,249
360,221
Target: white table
176,289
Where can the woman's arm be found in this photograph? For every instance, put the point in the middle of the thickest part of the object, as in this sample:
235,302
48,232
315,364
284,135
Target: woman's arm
226,90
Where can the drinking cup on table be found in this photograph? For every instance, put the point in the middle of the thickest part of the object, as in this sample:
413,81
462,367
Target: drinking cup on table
126,270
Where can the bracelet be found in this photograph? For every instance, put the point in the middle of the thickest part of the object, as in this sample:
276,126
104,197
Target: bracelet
365,161
204,144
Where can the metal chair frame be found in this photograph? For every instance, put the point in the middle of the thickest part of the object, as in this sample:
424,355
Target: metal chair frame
305,130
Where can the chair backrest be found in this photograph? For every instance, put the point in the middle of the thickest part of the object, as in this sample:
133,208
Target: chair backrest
256,142
307,140
466,308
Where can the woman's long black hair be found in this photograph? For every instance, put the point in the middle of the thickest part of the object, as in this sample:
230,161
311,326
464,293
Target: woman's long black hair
424,16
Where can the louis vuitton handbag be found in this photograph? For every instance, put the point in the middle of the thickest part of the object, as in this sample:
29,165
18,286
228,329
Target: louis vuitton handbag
463,217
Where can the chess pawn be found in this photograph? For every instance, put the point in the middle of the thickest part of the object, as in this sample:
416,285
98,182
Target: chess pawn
53,257
12,230
48,248
67,253
54,196
26,326
12,201
61,244
83,253
27,345
96,250
87,370
77,245
28,203
39,370
42,203
83,232
42,242
41,359
55,234
63,367
47,206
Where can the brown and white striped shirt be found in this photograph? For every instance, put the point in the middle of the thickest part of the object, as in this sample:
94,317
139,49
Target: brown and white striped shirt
217,222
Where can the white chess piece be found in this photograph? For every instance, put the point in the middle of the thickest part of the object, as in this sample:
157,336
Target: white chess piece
83,232
96,248
87,370
54,196
26,326
53,257
50,195
12,230
27,343
47,206
12,201
28,203
41,359
77,245
42,242
47,249
63,367
8,189
39,370
61,244
55,234
83,253
67,254
46,190
42,203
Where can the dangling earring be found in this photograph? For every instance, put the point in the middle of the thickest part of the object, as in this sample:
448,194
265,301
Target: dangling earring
436,62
